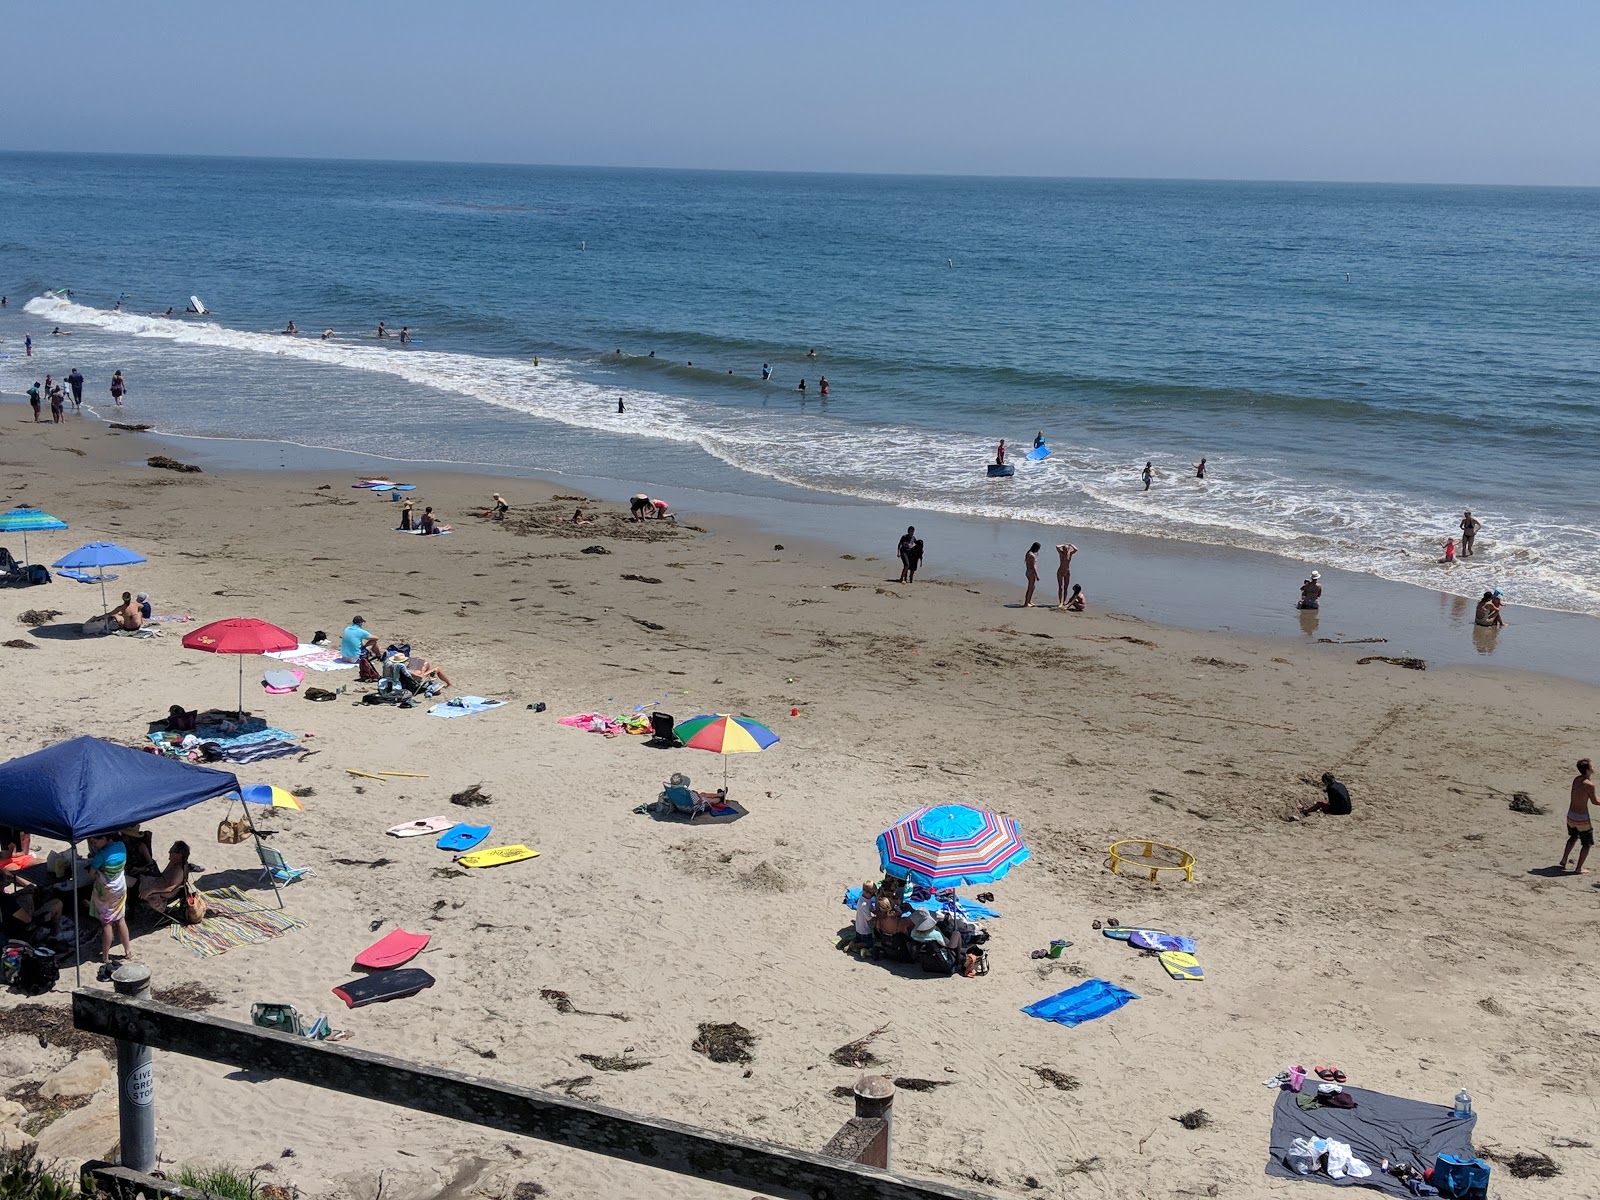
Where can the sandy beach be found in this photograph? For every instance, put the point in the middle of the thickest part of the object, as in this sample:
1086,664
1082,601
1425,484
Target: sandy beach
1422,944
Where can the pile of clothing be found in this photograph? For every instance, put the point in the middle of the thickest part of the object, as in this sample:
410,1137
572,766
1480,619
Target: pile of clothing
1307,1156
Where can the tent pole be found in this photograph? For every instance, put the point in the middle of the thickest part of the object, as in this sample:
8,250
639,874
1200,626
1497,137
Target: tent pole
77,937
255,833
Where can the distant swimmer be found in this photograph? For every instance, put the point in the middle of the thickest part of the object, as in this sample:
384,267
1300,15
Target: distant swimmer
292,331
4,302
811,353
57,332
326,334
405,334
1147,475
766,372
536,360
382,332
1200,469
583,245
1347,276
823,385
951,263
802,386
620,406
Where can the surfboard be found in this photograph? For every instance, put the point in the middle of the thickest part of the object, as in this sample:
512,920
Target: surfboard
199,308
1001,471
426,825
463,837
392,950
498,856
1180,965
1037,454
386,985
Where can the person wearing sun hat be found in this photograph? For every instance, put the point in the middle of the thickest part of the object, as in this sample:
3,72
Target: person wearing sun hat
1311,591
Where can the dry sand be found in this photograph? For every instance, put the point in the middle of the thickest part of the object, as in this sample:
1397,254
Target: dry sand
1421,944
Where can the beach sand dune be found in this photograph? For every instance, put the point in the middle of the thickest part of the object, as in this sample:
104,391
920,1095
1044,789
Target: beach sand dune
1421,944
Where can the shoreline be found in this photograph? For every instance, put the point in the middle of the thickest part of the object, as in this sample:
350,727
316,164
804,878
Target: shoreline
1132,575
1373,941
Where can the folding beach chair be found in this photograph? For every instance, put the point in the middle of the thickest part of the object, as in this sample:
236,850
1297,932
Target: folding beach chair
661,730
285,1019
275,869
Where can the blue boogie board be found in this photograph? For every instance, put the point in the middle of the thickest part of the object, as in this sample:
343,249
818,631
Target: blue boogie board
463,837
1037,454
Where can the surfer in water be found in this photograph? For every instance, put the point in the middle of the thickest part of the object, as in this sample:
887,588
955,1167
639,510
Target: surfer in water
802,386
1038,439
327,334
292,331
766,372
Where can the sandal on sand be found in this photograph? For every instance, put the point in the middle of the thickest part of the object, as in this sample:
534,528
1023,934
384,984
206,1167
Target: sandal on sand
1323,1073
1338,1075
1280,1080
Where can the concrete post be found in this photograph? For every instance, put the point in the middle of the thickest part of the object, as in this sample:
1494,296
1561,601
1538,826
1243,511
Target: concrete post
136,1110
875,1099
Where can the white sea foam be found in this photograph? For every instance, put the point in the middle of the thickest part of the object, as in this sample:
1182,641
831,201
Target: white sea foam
1540,560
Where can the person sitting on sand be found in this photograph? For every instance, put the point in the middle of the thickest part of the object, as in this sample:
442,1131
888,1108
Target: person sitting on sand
127,614
1311,592
355,640
1580,830
24,916
1487,616
431,523
143,601
158,891
887,921
1077,602
659,508
1337,803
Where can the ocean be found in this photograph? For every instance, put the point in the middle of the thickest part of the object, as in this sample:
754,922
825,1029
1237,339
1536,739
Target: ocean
1357,364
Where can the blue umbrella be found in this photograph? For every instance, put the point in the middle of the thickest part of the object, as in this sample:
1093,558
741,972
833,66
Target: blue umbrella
96,557
22,519
951,845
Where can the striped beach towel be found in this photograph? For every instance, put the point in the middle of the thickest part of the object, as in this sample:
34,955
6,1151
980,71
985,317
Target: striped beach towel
233,920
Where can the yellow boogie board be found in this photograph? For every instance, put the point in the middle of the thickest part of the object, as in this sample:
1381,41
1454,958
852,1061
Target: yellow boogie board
499,856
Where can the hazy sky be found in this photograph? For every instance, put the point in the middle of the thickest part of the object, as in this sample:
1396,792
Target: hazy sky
1409,90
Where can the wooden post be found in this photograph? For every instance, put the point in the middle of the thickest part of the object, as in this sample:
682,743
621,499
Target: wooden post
727,1158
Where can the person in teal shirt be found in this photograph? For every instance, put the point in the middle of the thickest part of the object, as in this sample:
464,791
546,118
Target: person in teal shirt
110,897
356,636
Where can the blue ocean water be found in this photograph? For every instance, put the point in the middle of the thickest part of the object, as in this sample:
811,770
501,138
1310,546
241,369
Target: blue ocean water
1358,364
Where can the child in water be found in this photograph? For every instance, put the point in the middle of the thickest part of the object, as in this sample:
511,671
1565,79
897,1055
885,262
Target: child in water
1449,550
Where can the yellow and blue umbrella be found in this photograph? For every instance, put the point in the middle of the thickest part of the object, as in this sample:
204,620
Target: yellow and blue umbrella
270,796
951,845
22,519
723,734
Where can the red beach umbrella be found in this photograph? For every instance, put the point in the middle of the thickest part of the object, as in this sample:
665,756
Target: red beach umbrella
241,636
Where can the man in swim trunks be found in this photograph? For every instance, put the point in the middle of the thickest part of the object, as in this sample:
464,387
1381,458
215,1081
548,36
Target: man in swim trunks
1580,831
382,332
75,382
1030,563
1311,592
405,334
1469,530
903,552
1200,469
1064,572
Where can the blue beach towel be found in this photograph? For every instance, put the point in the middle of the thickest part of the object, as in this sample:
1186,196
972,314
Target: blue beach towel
464,706
1094,998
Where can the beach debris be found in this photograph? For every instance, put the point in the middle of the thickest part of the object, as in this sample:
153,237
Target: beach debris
724,1043
192,996
527,1190
911,1083
1524,1164
570,1086
21,644
370,863
1493,1007
130,428
613,1062
1221,662
564,1006
69,450
779,546
1351,641
1411,664
594,550
1521,802
472,797
171,464
1195,1118
1570,1143
1059,1080
38,616
642,578
304,790
52,1026
648,624
449,873
856,1054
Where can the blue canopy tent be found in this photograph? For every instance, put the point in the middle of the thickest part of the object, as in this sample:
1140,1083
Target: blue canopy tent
85,787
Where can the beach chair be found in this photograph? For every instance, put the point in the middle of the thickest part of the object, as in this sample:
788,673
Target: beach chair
285,1019
275,869
11,571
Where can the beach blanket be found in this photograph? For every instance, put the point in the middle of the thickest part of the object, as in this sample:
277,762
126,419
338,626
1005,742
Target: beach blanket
464,706
169,619
593,723
259,751
1378,1127
314,658
1091,999
970,909
253,733
233,919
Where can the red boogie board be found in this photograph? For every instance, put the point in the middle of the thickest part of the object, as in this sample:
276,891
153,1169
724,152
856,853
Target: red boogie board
392,950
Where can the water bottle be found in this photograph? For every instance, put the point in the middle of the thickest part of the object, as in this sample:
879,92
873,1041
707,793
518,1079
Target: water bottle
1463,1106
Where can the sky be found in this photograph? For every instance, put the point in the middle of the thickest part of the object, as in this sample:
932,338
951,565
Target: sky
1399,90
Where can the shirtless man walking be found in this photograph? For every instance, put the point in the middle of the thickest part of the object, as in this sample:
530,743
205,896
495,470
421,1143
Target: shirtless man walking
1030,562
1580,831
1064,572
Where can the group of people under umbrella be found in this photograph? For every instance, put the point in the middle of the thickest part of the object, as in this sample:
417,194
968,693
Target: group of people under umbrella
913,914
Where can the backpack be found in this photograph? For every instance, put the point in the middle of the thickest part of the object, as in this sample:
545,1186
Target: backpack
935,958
1461,1178
38,972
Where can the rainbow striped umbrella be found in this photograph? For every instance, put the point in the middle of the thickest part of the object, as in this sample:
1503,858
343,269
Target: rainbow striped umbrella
951,845
722,734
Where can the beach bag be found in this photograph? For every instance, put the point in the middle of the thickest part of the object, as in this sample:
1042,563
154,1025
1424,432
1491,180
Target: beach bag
232,832
38,573
11,963
1461,1178
192,908
316,693
38,972
935,958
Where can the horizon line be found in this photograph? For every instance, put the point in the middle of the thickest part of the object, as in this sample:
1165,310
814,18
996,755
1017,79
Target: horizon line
999,176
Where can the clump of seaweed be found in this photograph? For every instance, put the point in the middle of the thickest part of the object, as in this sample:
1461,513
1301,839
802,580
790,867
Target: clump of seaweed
724,1043
1056,1079
1195,1118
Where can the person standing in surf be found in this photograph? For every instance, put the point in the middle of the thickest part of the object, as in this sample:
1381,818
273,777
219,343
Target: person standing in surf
118,388
1064,572
1000,457
75,382
405,334
1030,564
1469,531
766,372
823,385
1200,469
1148,474
1311,592
382,332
